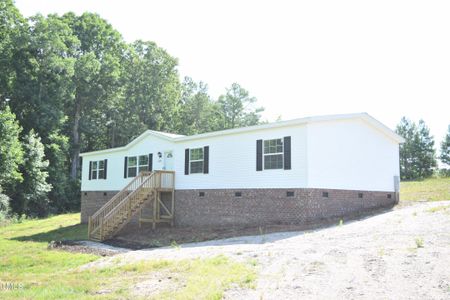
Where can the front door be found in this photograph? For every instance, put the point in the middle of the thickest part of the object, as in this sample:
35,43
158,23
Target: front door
168,160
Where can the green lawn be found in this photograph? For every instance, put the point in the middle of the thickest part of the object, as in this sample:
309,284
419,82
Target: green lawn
432,189
52,274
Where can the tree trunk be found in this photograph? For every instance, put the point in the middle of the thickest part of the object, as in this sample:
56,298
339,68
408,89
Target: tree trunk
76,140
113,135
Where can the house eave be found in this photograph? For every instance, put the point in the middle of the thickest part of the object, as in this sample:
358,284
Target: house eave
363,116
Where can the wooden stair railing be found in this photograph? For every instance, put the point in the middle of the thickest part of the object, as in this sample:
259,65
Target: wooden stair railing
116,213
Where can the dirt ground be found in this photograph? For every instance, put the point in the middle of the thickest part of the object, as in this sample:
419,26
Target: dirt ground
399,254
144,237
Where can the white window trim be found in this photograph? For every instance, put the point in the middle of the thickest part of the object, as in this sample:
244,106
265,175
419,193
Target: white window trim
196,160
274,153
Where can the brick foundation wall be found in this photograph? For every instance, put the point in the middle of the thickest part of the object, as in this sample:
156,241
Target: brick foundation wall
272,206
93,201
256,206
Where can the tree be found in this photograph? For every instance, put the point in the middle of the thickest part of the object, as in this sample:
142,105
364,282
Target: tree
30,196
151,89
12,25
65,193
425,151
237,108
417,154
11,153
96,77
4,206
42,91
445,148
199,113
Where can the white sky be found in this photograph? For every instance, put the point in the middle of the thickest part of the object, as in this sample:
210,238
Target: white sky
298,58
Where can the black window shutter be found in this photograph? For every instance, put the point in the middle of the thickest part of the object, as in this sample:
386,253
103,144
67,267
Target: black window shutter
186,162
205,160
106,169
259,155
150,162
287,152
125,164
90,170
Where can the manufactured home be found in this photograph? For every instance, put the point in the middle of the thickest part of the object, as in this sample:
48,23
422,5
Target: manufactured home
296,171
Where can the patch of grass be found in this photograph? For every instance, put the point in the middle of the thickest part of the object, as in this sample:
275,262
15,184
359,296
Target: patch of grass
438,208
419,242
431,189
53,274
253,262
24,258
174,244
208,278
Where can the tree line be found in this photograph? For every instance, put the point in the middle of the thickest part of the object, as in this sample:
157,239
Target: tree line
69,84
418,157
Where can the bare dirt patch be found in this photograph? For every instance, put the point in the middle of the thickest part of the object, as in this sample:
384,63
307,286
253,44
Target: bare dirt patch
144,237
87,247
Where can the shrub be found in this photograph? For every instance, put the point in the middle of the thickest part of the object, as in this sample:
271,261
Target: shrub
4,207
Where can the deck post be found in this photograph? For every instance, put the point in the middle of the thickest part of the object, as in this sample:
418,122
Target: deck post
89,228
101,228
173,200
140,217
155,200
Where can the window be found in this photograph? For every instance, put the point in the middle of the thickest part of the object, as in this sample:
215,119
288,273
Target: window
273,154
360,195
137,164
389,196
289,194
101,169
325,194
238,194
132,166
196,160
98,169
143,163
201,194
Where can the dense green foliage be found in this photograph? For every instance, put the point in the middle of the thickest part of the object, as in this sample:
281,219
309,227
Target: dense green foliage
417,154
236,108
11,153
79,86
31,194
445,148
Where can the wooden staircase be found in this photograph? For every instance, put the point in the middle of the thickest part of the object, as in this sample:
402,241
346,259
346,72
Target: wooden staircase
119,210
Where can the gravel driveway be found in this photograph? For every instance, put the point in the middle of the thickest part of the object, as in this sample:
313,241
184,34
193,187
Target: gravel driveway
400,254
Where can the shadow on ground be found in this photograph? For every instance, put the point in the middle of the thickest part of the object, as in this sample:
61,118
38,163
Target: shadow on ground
73,232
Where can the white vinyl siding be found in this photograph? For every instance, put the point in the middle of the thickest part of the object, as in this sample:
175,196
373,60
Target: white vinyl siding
340,154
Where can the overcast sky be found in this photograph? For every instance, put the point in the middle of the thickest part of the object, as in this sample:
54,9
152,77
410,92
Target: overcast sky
299,58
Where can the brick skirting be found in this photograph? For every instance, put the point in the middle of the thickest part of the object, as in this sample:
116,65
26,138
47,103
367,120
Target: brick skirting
252,207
